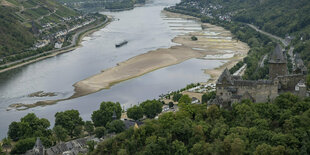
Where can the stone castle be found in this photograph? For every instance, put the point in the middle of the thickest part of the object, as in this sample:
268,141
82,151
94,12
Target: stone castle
231,88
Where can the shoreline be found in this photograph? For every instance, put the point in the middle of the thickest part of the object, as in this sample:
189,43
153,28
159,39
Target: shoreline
160,58
75,45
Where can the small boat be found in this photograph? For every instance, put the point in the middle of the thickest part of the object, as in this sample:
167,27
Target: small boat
121,44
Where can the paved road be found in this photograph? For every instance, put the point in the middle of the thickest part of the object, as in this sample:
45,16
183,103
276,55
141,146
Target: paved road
72,44
263,60
270,35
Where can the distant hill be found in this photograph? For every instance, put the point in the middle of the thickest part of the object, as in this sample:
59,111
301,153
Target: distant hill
279,17
20,22
97,5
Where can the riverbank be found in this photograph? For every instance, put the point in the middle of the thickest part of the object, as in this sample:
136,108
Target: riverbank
212,41
206,44
77,39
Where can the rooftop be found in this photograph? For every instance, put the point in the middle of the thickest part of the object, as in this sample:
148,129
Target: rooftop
278,55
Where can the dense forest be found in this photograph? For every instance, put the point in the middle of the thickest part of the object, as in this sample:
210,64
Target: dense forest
281,127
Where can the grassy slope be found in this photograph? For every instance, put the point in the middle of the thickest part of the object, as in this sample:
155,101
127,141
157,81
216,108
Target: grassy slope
13,35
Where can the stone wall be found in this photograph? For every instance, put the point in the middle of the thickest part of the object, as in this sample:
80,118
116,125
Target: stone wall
288,82
260,91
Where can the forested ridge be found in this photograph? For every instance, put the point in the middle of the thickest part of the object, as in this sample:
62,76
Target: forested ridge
99,5
280,127
278,17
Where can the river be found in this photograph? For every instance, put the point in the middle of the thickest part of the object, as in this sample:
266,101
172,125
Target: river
144,27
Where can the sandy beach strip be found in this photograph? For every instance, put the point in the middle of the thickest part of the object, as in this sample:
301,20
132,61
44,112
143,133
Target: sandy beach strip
135,67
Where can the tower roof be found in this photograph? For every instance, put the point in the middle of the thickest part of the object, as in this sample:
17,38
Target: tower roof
277,55
38,143
225,77
114,116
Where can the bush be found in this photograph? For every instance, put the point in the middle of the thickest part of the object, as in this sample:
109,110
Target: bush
100,132
136,112
194,38
116,126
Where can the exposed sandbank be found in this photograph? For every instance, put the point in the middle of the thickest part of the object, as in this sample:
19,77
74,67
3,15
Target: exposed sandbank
207,44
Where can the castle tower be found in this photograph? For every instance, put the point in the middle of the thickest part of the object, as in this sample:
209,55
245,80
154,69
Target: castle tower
277,63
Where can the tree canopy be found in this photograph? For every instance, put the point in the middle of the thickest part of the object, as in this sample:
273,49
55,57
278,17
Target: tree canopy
29,126
69,120
136,112
104,115
151,108
247,128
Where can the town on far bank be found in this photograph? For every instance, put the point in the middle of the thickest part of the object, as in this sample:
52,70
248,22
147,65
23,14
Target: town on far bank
43,27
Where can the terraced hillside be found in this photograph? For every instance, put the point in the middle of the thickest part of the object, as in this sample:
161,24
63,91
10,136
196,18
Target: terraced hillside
24,22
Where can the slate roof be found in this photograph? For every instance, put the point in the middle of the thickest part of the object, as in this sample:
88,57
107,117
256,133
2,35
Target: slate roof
74,146
38,143
277,55
225,77
130,123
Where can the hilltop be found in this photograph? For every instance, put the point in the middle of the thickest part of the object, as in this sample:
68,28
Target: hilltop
99,5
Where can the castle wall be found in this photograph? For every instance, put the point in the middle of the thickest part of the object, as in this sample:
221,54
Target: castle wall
288,82
223,93
260,91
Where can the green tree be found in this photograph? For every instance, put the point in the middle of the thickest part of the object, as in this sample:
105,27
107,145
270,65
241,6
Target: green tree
77,131
185,99
122,152
278,150
263,149
178,148
100,132
208,96
91,145
237,147
104,115
171,104
23,145
200,148
68,120
136,112
14,131
89,127
213,112
60,133
176,97
29,126
151,108
194,38
116,126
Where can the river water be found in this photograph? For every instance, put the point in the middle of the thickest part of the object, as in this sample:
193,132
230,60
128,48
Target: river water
146,28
